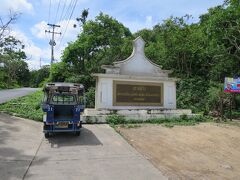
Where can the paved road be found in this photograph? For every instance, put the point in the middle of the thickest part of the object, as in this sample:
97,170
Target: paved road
98,153
6,95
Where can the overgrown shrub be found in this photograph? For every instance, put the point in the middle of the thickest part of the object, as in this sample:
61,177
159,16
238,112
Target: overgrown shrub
59,72
39,77
191,94
169,122
116,119
90,97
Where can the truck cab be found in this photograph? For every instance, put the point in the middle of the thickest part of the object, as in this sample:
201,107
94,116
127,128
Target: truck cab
63,104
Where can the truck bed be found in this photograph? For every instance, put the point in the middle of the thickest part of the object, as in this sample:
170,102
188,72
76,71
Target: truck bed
62,112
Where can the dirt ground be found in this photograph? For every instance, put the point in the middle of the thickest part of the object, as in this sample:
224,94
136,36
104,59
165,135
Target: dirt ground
205,151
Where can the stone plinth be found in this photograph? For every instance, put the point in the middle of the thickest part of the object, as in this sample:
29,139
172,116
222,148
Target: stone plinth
99,116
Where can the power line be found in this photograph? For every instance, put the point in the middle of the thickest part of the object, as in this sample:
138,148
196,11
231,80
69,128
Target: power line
69,8
67,13
63,10
49,10
40,62
59,2
68,22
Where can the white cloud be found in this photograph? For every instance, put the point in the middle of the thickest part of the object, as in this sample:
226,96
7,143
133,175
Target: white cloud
136,25
15,6
33,52
39,30
69,33
149,22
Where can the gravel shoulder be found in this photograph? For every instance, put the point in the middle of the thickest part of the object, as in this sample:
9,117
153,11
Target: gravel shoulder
205,151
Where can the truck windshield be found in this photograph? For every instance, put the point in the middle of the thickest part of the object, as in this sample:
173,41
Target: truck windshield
63,99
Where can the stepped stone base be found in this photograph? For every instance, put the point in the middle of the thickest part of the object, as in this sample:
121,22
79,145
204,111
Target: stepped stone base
99,116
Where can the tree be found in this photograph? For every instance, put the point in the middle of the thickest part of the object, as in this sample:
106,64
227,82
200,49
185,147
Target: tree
82,19
221,26
102,41
38,77
59,72
12,56
15,71
5,26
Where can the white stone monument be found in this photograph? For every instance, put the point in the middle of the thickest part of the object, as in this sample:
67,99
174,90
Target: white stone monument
135,83
135,86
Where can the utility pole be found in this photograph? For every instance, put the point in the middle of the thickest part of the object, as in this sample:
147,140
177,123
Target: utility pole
52,41
40,62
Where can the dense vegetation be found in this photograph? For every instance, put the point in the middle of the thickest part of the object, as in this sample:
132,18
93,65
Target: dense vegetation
200,54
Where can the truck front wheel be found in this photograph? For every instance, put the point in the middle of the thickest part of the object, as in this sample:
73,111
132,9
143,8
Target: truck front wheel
80,124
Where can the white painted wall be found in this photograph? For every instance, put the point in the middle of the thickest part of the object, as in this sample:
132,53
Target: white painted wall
138,64
169,95
104,94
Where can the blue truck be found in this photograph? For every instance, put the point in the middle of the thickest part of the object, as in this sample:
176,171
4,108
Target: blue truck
63,104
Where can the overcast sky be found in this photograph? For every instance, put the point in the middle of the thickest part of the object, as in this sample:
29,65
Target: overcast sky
134,14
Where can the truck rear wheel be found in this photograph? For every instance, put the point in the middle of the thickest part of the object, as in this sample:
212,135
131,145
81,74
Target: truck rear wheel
47,135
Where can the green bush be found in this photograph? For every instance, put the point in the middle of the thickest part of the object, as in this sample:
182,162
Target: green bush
59,72
116,119
39,77
192,93
235,114
184,120
90,98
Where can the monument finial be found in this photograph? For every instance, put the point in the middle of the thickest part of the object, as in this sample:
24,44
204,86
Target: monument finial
139,44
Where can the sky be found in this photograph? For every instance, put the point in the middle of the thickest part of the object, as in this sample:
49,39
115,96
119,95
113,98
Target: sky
134,14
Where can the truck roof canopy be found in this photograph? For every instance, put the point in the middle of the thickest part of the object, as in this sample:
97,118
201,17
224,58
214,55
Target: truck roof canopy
59,87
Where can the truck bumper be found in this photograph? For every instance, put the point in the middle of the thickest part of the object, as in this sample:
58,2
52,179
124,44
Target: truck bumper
61,130
54,128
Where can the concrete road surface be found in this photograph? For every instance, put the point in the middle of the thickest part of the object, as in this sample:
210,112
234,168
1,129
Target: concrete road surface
6,95
98,153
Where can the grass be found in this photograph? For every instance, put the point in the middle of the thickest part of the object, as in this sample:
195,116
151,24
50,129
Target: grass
27,107
130,126
183,120
30,107
232,123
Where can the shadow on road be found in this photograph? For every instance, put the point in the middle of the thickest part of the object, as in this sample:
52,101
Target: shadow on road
86,138
14,160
